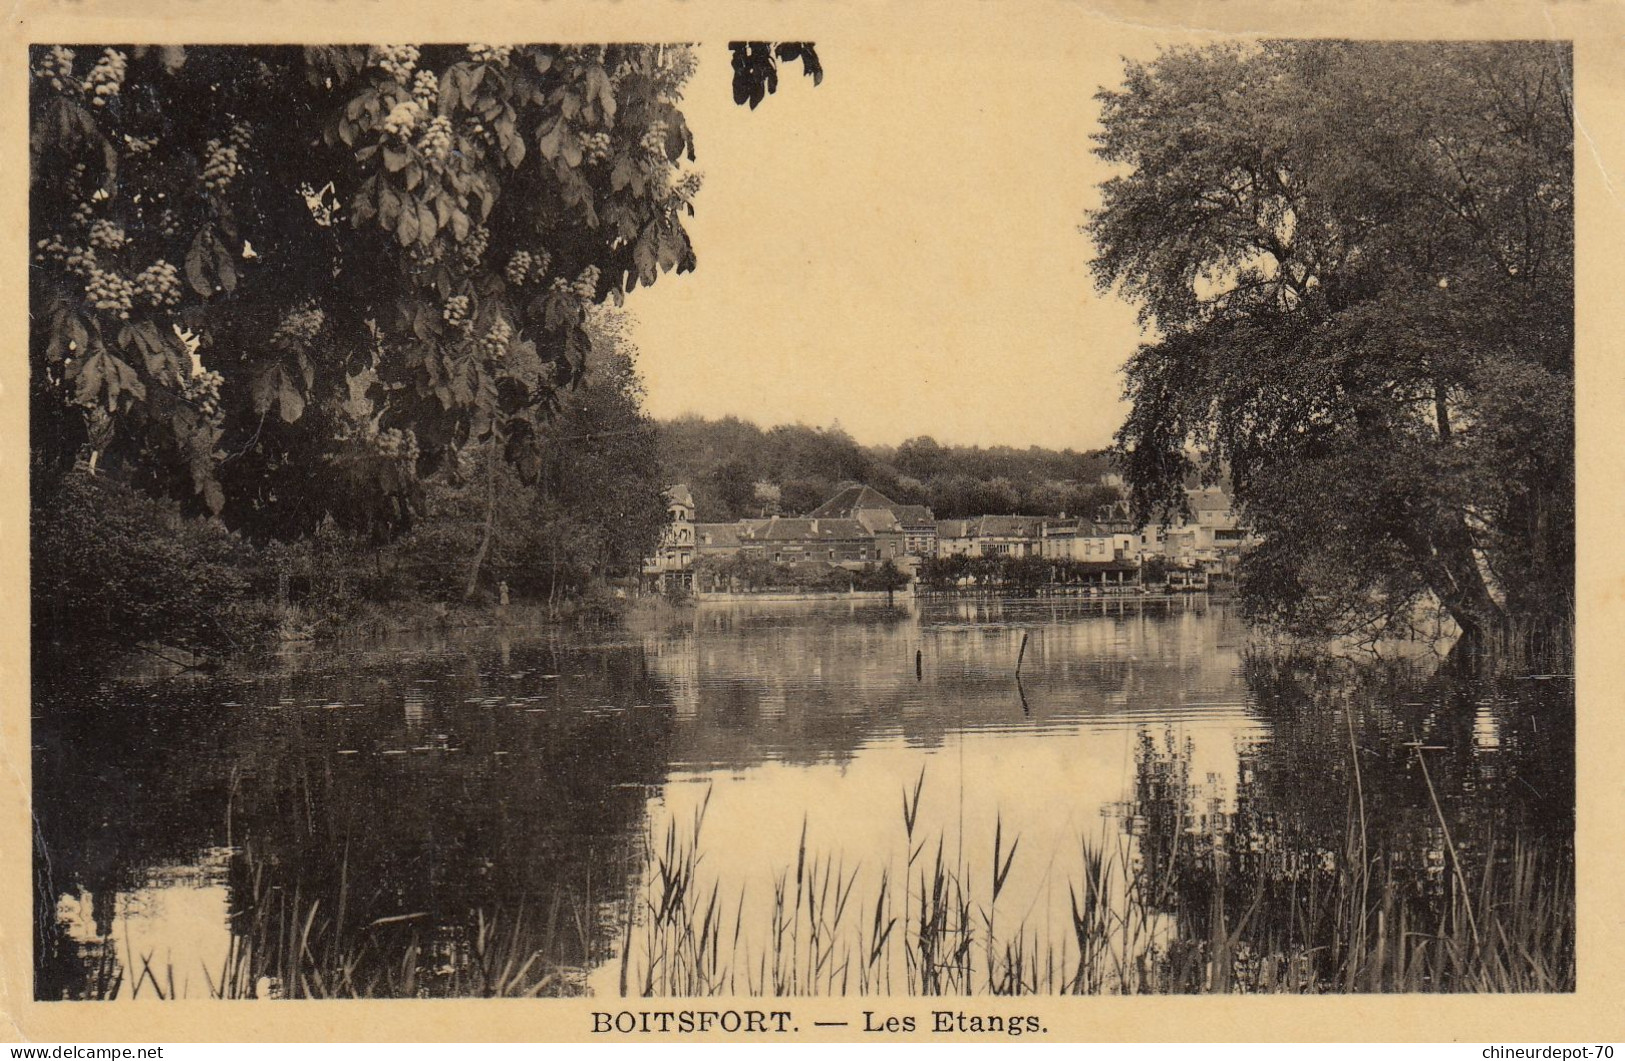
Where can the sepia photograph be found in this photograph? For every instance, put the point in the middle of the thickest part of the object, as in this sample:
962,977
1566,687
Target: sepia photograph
660,520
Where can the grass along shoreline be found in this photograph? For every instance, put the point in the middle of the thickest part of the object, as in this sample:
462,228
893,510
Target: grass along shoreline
925,923
1347,924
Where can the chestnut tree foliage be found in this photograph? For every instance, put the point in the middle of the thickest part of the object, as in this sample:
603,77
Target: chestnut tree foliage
286,282
1356,263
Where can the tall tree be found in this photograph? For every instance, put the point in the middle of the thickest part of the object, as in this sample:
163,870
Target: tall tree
593,508
1356,262
229,238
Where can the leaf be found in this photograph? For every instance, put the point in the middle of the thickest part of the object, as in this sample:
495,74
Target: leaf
273,386
668,251
389,206
427,225
197,266
645,256
407,228
156,354
450,90
486,404
228,271
92,372
577,348
547,139
464,378
599,85
263,390
68,335
395,158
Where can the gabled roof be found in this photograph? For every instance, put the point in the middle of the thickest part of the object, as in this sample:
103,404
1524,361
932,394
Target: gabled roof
850,499
853,498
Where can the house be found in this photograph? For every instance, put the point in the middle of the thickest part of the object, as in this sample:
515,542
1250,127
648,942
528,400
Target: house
954,537
1212,538
1081,540
845,542
877,511
670,567
717,539
1016,536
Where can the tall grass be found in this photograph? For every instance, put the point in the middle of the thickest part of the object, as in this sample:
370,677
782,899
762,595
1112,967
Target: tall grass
1350,924
289,945
1183,911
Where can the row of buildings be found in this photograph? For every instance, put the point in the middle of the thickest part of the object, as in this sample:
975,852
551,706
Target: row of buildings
859,526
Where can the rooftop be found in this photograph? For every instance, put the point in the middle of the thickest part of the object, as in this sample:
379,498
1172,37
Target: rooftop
780,529
853,498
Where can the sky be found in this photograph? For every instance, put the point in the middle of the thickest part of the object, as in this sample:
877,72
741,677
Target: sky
898,250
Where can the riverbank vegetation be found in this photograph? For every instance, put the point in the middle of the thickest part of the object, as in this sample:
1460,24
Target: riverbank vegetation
1203,915
559,542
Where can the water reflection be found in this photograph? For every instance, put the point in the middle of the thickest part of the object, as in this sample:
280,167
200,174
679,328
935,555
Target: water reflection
431,816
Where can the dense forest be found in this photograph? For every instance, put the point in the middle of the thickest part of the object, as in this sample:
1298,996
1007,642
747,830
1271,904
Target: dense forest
737,469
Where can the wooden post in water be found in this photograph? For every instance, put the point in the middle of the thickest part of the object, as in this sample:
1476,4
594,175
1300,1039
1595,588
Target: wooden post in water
1022,654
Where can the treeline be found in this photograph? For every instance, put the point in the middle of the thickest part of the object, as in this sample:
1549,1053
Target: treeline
737,469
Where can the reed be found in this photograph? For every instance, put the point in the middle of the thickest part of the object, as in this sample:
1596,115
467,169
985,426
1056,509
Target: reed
1197,918
1504,924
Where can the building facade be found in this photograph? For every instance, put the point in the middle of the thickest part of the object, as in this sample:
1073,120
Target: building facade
672,565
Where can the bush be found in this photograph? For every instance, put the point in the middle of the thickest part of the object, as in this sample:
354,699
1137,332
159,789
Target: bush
113,567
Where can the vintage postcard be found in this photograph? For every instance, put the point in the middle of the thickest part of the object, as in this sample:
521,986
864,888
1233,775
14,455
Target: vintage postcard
812,522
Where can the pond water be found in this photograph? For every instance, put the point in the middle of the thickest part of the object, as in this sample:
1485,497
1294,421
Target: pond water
531,811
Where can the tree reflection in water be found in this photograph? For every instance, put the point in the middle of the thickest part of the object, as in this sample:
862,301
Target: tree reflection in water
1393,831
478,809
470,817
